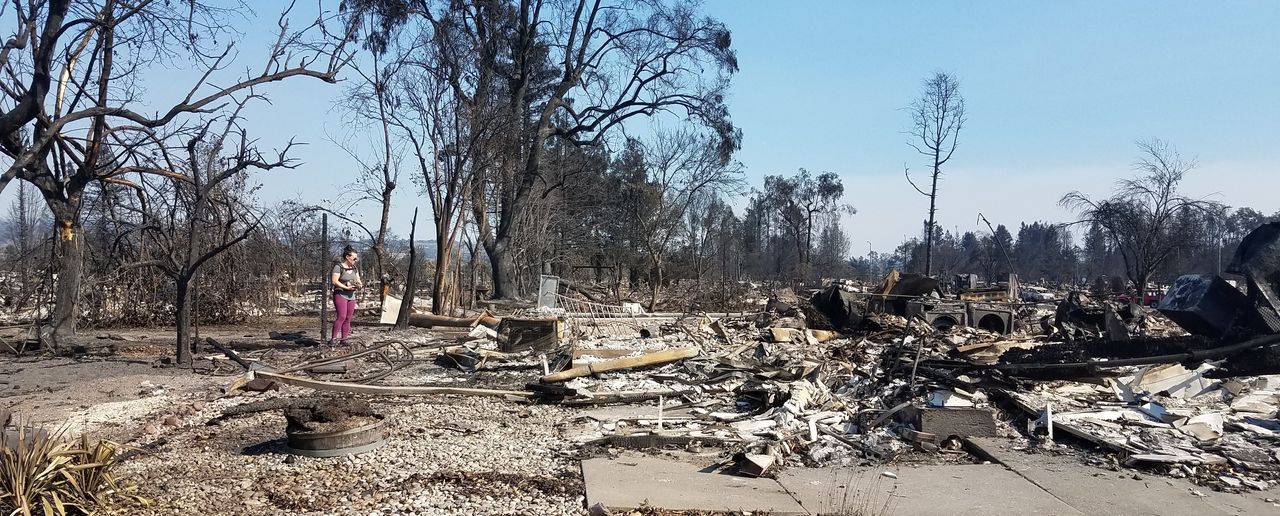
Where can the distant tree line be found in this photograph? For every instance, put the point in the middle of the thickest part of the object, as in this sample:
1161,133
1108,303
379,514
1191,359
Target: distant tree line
1046,253
1146,233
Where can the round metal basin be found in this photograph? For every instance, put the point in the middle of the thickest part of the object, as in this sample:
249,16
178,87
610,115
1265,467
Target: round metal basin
361,439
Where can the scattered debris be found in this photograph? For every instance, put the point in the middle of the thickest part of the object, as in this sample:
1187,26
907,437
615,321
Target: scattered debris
844,375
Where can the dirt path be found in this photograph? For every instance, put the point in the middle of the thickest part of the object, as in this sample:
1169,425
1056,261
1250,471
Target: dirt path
109,393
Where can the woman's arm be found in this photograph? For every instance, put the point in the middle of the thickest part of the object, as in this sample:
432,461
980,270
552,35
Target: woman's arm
335,278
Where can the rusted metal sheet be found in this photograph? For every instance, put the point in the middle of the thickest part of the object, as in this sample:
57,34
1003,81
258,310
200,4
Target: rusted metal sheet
529,333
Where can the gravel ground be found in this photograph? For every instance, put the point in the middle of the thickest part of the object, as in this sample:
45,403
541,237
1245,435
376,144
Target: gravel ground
445,455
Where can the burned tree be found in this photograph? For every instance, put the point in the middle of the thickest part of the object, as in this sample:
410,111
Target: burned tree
710,232
798,202
936,119
1142,217
568,71
680,168
370,102
26,219
833,250
196,208
447,149
411,278
85,130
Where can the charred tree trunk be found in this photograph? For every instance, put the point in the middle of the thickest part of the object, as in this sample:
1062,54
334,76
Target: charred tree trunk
411,279
69,251
23,231
440,286
380,246
68,244
933,208
503,266
472,267
1140,283
388,185
808,241
325,275
182,319
799,254
656,283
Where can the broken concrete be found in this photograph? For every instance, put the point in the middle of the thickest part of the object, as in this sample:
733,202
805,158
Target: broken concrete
1094,491
634,482
946,422
975,489
967,489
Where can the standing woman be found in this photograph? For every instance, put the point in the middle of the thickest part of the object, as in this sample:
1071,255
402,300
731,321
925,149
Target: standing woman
346,280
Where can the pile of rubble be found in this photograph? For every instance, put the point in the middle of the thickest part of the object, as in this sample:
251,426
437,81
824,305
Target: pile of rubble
856,376
773,392
1186,391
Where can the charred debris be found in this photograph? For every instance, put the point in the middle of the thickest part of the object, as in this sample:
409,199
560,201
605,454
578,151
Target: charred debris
866,373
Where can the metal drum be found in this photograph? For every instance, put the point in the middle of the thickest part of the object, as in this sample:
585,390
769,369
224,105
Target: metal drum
361,439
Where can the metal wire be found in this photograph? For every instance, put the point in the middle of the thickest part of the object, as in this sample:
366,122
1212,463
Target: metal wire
595,313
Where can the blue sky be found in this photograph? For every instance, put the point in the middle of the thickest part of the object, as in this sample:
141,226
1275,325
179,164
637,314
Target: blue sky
1057,94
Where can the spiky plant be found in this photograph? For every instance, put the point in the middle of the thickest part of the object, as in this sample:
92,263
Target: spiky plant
47,474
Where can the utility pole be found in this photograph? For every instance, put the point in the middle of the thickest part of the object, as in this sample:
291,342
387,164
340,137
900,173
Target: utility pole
1219,253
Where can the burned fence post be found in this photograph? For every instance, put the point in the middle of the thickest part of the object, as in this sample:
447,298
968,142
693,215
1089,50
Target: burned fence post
324,279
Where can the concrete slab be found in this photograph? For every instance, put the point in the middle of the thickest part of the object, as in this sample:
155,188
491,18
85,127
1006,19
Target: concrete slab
632,482
977,489
1098,491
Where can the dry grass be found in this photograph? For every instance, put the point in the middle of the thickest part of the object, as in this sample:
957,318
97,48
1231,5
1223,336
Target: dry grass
860,494
46,473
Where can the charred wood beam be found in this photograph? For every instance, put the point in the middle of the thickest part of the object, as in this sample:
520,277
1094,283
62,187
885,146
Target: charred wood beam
1268,341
